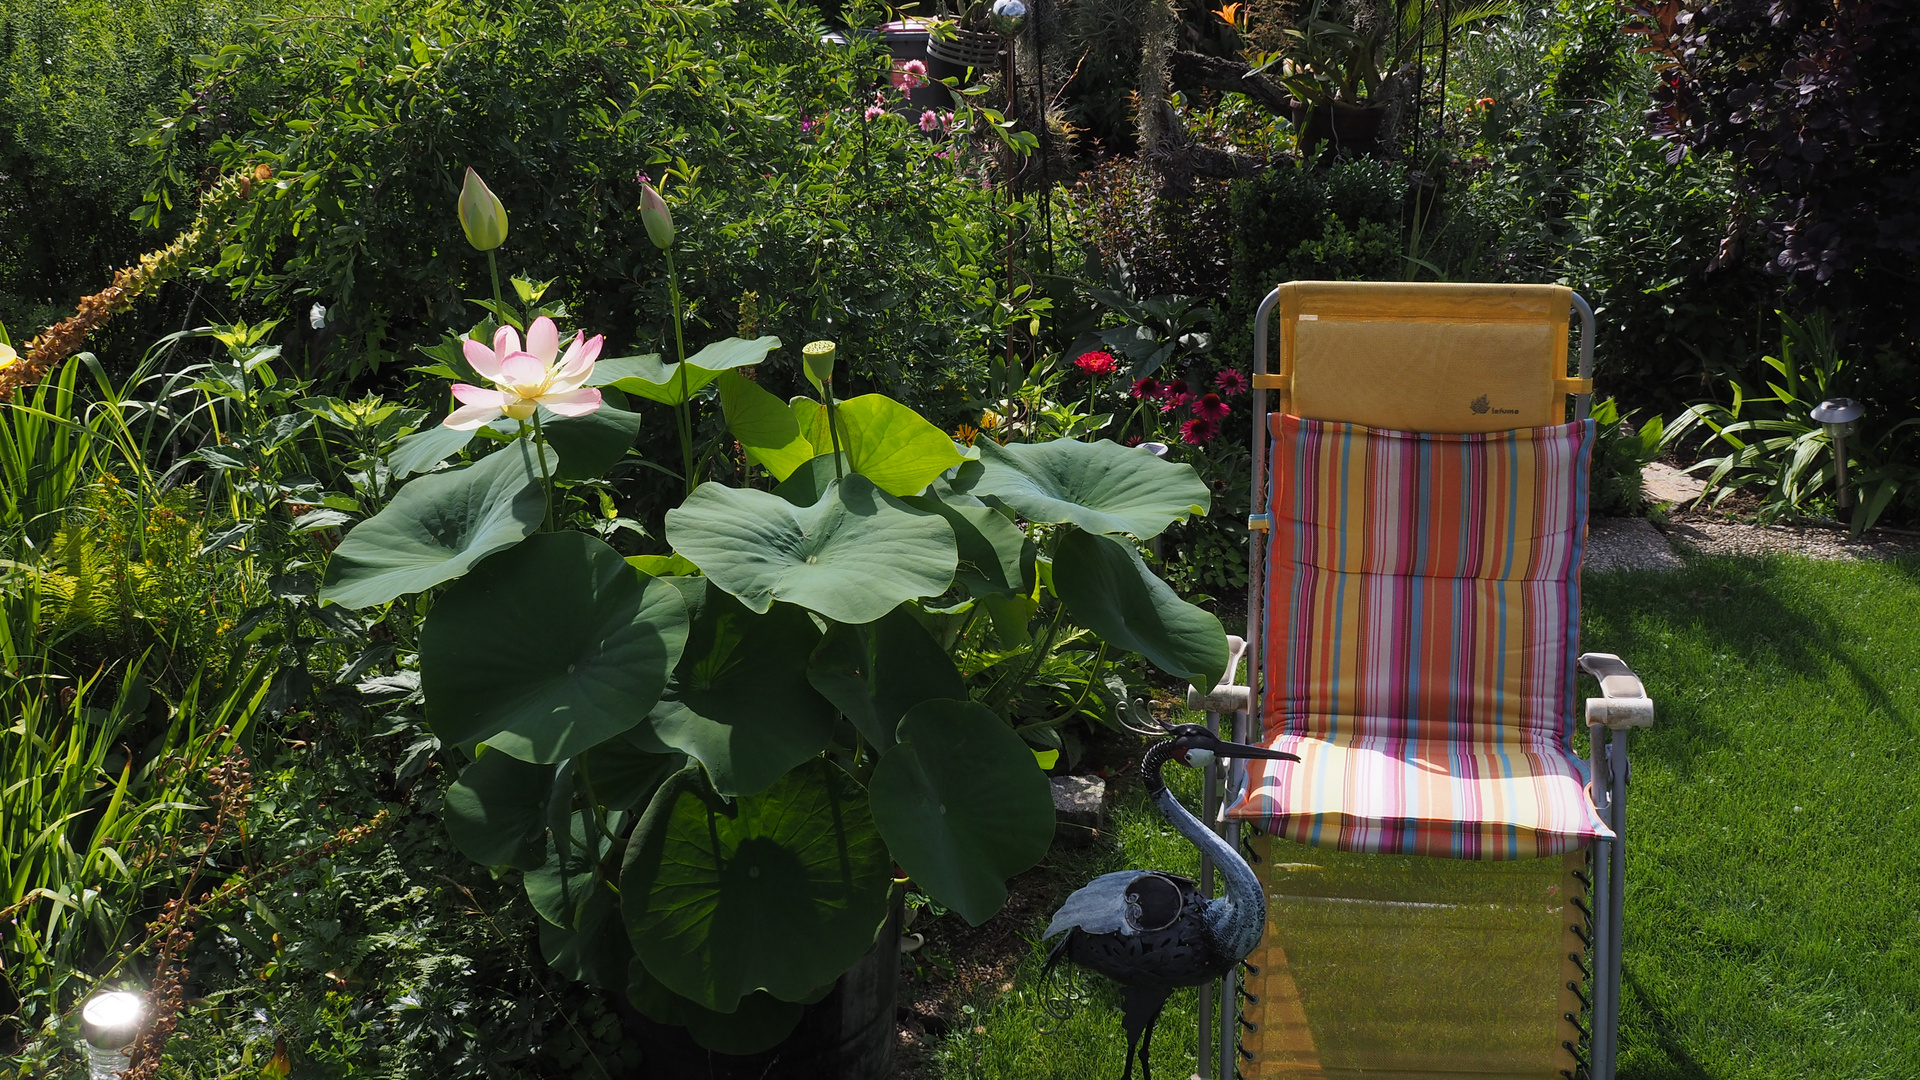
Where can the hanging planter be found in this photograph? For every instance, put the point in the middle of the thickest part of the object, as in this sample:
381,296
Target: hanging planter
966,48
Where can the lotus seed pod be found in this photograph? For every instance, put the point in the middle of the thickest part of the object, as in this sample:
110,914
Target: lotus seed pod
819,358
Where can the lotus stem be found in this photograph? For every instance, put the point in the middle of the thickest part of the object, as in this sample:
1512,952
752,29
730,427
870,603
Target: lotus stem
493,268
540,452
683,411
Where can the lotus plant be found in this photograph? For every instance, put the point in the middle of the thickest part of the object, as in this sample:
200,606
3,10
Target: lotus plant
527,378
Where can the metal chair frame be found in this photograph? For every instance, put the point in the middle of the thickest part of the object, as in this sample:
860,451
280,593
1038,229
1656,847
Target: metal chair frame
1218,1047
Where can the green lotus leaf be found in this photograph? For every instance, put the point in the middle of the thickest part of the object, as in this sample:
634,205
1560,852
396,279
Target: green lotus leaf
765,426
437,527
590,445
739,701
422,450
549,648
810,481
875,673
1108,589
760,1022
996,557
560,887
962,804
854,556
623,774
885,441
497,811
780,891
647,377
660,566
1102,487
596,949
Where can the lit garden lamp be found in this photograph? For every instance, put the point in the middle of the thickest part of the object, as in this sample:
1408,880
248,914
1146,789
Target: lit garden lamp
1837,415
109,1022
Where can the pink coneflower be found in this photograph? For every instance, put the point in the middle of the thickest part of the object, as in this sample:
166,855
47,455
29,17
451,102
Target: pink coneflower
1146,389
1199,430
1097,362
1210,407
929,121
875,112
909,75
1230,382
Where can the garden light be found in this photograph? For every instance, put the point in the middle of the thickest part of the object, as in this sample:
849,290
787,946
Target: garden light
1006,16
109,1022
1838,415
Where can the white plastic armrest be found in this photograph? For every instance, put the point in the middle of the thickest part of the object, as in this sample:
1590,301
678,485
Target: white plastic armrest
1623,701
1228,697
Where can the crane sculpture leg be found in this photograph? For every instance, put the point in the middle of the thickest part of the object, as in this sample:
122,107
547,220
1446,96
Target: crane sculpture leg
1139,1011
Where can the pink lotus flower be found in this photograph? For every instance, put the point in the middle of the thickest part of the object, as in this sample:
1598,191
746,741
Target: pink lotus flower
1230,382
1210,407
1098,362
909,75
527,378
1199,430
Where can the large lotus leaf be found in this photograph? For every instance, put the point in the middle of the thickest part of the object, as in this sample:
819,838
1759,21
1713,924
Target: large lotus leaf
739,701
780,891
885,441
437,527
853,556
764,425
561,886
596,949
646,376
875,673
995,555
1108,589
549,648
622,774
1102,487
497,811
590,445
426,448
962,804
759,1023
810,481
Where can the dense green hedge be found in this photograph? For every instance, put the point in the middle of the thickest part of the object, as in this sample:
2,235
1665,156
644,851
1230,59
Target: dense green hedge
81,80
863,230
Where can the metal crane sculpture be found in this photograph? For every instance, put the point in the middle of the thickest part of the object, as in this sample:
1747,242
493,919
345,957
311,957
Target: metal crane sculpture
1153,932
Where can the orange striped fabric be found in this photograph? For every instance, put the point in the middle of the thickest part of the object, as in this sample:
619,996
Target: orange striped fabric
1421,602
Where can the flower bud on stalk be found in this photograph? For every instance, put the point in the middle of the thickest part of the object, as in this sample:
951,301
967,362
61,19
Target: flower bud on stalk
654,214
482,216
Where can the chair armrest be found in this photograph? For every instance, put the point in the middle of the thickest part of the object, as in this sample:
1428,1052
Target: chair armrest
1623,701
1229,696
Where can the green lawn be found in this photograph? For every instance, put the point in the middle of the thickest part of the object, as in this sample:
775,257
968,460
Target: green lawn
1773,851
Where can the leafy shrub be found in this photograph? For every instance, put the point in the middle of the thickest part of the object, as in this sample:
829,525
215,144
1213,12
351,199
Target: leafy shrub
1620,450
1340,223
1562,182
755,129
81,77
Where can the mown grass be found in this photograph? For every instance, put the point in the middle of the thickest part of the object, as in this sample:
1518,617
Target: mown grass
1774,841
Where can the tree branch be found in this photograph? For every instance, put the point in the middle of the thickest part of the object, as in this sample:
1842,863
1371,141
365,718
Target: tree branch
1194,71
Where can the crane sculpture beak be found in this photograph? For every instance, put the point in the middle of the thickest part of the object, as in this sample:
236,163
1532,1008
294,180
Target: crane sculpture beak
1242,750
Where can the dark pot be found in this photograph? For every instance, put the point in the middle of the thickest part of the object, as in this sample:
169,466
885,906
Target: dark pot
847,1035
906,40
1342,126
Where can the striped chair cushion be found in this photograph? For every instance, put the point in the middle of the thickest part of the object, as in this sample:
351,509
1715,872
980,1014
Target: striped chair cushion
1422,599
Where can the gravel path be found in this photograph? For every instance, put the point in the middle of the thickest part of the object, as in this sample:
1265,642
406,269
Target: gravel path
1637,544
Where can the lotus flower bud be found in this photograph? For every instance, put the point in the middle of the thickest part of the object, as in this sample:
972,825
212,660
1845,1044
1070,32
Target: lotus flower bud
481,214
819,360
654,214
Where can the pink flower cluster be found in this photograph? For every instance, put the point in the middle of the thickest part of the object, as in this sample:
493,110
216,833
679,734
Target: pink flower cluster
1205,411
908,75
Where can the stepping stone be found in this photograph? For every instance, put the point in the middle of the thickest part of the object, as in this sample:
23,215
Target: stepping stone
1079,806
1664,484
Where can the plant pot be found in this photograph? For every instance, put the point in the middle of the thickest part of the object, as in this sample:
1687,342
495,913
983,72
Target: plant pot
907,39
1342,126
967,49
847,1035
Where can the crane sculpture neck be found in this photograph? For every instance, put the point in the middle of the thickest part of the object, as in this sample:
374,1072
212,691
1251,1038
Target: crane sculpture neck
1238,918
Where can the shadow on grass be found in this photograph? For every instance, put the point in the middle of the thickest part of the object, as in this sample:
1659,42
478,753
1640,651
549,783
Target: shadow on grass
1671,1061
